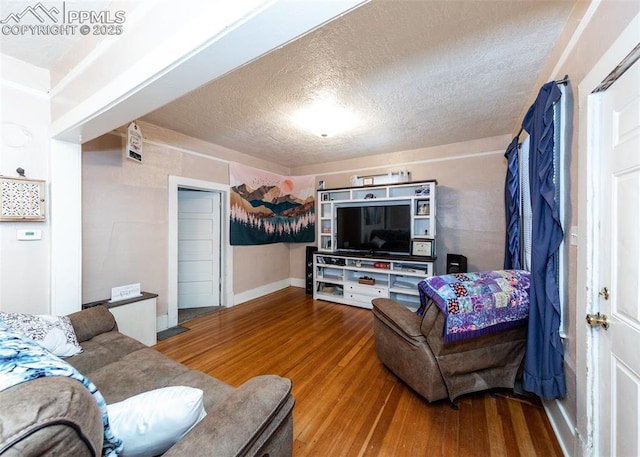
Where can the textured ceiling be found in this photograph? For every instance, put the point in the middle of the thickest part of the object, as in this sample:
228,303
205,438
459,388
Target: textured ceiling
416,73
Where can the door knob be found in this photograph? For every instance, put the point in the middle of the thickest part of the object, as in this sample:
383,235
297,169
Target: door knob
598,319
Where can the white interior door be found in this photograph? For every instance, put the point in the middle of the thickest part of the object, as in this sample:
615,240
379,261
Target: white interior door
619,346
199,258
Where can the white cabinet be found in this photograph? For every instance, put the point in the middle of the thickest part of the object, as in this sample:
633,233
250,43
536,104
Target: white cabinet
137,319
356,280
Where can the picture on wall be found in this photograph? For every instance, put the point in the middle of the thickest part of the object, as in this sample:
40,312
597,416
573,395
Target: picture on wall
270,208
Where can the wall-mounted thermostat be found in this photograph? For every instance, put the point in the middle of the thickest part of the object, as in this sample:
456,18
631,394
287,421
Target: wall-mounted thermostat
29,235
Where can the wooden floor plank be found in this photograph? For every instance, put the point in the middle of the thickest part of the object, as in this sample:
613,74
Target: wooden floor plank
347,402
475,437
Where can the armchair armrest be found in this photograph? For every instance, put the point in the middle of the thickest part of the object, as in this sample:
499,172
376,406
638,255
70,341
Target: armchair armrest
242,425
399,317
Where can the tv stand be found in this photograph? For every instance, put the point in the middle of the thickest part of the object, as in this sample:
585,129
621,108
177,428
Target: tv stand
356,279
341,276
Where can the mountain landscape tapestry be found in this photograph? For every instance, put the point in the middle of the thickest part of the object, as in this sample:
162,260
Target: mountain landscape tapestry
269,208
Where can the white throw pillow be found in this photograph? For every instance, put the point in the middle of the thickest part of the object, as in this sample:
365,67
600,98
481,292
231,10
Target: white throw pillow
150,423
54,333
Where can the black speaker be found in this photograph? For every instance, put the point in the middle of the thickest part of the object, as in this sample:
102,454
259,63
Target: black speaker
456,263
308,279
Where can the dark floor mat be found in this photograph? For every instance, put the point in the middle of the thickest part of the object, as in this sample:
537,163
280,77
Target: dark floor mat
173,331
186,314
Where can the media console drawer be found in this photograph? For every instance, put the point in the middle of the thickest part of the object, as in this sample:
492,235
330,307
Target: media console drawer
364,294
371,291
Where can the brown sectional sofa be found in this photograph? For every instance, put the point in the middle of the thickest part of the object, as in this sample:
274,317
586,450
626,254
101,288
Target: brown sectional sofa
413,349
58,415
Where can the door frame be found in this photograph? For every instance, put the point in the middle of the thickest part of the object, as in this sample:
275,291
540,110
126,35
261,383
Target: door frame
212,213
588,275
226,260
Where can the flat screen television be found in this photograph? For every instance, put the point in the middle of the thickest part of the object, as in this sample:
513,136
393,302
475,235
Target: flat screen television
384,228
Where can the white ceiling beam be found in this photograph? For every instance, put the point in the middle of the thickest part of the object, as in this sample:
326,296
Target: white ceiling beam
162,56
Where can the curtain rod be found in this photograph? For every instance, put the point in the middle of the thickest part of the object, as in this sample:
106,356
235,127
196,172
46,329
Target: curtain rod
564,80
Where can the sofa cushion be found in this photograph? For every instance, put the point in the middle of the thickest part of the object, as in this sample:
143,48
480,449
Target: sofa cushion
140,369
102,350
135,373
215,391
54,333
152,422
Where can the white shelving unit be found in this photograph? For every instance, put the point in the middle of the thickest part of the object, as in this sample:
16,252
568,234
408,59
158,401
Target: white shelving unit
341,277
338,278
420,195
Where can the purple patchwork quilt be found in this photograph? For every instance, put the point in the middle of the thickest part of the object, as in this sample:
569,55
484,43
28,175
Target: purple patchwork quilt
478,303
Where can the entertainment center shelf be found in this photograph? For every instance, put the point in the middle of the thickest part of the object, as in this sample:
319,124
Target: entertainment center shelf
357,279
417,197
375,241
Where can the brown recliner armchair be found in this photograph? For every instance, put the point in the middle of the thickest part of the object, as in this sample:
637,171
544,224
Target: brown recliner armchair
413,349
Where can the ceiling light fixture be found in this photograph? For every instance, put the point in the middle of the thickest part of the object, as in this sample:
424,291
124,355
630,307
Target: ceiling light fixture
325,118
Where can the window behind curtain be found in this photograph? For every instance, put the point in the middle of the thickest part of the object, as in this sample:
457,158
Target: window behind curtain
525,206
560,179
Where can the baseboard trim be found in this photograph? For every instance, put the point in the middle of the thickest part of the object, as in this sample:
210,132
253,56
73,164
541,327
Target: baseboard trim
561,423
298,282
162,322
266,289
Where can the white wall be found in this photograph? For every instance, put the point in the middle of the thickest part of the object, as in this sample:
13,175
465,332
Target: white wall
24,119
65,199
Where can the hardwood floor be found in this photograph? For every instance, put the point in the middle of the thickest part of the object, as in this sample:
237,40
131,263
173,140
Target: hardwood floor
347,402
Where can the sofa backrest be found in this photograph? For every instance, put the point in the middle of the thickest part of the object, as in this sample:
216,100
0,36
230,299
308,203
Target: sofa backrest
91,322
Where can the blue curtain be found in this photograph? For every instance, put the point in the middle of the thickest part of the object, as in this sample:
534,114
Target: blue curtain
544,357
512,208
